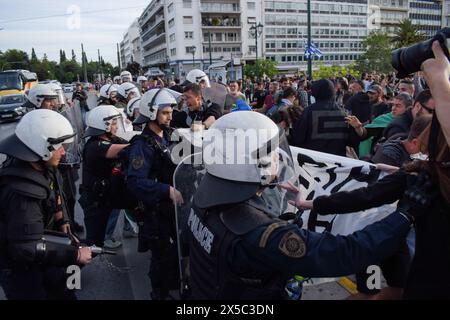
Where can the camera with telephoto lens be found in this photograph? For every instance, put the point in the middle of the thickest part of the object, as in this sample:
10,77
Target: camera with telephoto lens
408,60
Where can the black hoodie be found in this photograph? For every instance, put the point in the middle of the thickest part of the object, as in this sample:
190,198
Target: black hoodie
322,126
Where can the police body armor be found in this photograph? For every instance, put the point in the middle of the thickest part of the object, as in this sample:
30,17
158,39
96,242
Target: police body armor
19,177
214,234
156,222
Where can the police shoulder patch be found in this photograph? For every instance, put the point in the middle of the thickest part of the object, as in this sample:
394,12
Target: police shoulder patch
292,245
104,142
137,163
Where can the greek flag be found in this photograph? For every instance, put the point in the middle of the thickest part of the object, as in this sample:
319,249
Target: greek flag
313,50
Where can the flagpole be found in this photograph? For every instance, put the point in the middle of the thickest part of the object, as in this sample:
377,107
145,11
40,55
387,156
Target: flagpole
309,40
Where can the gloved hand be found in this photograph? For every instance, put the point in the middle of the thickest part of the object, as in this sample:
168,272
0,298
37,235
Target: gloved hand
418,196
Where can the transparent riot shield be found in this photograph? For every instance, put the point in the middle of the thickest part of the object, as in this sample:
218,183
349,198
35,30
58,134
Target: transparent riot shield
216,93
186,179
92,99
73,149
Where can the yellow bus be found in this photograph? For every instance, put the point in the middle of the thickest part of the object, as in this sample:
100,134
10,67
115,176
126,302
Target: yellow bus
16,81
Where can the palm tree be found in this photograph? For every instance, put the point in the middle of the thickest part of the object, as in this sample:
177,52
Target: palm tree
407,34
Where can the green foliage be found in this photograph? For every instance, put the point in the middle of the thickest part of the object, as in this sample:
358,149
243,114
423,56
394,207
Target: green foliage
15,59
334,71
378,54
407,34
134,68
33,56
62,56
266,67
66,71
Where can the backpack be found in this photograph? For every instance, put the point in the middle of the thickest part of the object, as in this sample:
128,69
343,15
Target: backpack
118,195
117,192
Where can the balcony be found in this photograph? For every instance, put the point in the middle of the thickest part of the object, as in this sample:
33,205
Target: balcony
158,20
154,61
220,8
150,12
162,46
206,42
152,39
221,22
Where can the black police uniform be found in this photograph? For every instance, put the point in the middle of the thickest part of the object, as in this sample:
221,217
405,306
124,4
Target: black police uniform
185,118
240,251
149,177
31,268
95,187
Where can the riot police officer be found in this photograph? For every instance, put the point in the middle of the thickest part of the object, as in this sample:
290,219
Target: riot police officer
199,77
31,267
125,93
239,246
149,178
108,94
98,158
41,96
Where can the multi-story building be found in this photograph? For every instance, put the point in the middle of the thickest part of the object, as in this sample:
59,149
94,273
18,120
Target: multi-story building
182,35
427,15
391,13
337,28
153,25
446,14
130,47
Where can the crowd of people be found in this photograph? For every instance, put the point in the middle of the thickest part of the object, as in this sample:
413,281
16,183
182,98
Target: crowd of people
399,124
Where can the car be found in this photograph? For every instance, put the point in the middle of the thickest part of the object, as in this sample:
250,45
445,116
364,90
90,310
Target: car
68,88
11,107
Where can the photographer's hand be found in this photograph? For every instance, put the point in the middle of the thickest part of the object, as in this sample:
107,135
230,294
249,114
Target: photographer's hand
436,72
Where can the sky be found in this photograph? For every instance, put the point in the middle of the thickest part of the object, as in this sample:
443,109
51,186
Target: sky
75,23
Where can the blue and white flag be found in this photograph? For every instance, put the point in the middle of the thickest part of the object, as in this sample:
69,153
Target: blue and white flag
311,50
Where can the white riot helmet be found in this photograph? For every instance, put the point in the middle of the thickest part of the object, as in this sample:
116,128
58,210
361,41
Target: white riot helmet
126,76
117,80
39,93
151,102
38,135
242,152
61,100
100,119
125,89
132,105
141,78
197,76
107,89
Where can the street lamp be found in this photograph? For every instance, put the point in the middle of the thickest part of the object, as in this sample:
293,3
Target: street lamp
193,48
256,31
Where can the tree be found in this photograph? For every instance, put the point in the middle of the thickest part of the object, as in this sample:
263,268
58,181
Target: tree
134,68
407,34
265,67
378,53
62,56
67,71
16,59
33,56
74,57
334,71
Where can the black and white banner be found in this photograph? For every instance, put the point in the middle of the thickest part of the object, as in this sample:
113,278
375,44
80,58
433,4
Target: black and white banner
323,174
